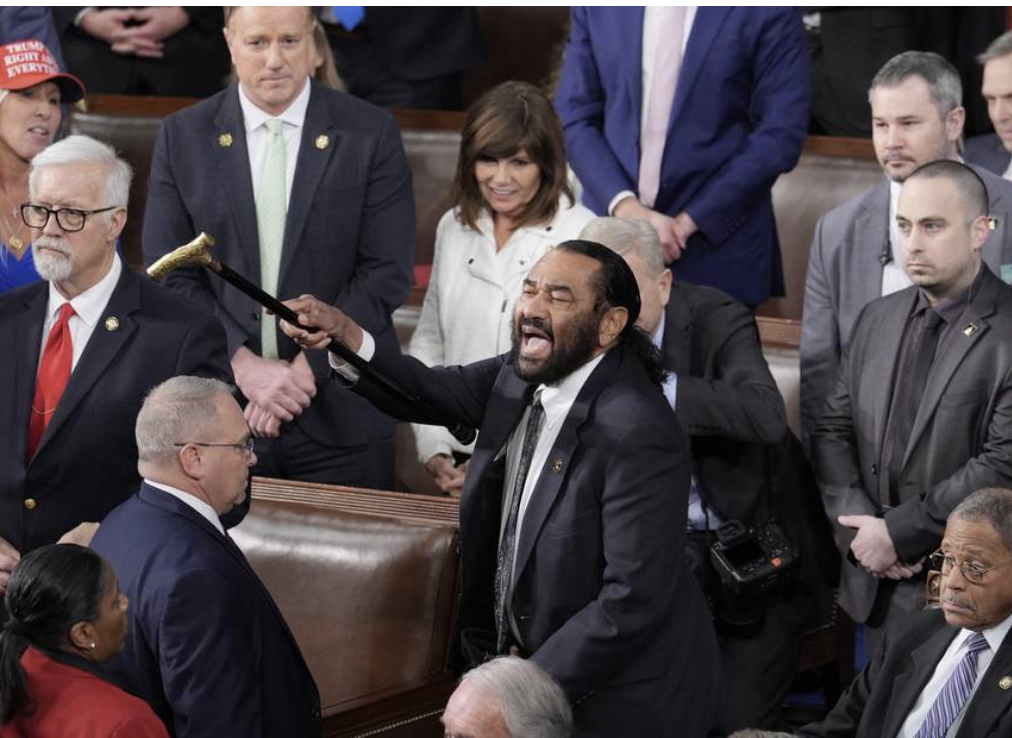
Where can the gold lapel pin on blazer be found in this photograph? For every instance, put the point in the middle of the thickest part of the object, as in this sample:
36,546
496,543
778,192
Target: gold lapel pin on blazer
970,330
225,140
557,465
322,141
1005,682
111,323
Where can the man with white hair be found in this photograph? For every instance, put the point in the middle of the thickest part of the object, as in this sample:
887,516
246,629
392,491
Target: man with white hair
507,697
81,349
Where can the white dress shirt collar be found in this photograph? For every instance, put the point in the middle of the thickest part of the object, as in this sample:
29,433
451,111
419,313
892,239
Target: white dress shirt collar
558,398
295,114
994,636
206,511
90,304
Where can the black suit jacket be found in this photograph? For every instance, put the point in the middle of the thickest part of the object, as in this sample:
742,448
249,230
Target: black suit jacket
349,234
746,460
208,648
882,695
86,462
961,439
602,597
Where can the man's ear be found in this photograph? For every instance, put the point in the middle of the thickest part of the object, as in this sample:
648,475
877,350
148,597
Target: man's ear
190,460
613,322
664,285
979,230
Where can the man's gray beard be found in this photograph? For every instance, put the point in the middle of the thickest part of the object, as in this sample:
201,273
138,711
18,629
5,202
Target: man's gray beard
50,267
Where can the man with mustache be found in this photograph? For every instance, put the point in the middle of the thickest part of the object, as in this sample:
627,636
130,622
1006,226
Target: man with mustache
572,518
81,349
917,117
919,416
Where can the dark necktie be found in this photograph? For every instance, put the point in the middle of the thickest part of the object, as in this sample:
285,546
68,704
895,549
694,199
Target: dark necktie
912,389
949,702
54,373
507,547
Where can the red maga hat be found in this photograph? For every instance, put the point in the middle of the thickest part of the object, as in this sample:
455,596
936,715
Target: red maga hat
25,64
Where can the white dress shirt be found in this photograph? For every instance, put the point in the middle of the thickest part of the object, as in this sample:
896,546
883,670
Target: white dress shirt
651,40
88,309
946,666
894,278
257,136
206,511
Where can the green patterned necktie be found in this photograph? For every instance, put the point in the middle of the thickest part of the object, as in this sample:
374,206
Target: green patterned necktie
271,211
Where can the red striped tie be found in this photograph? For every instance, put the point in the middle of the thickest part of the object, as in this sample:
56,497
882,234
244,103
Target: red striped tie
54,373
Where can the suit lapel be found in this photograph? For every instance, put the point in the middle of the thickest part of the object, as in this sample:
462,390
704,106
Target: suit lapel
910,682
704,31
232,162
557,463
958,345
102,349
871,235
676,341
629,28
27,348
312,163
881,359
990,701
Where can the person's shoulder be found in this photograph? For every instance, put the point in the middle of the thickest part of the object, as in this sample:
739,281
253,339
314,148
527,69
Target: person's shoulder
704,296
571,217
999,189
349,112
15,298
984,144
843,217
202,112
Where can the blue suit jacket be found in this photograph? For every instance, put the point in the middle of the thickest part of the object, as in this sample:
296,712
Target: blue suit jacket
989,152
208,649
349,234
602,597
739,119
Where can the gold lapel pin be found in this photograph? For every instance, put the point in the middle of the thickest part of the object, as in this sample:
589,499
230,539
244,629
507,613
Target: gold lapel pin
225,140
111,323
970,330
322,141
557,466
1005,682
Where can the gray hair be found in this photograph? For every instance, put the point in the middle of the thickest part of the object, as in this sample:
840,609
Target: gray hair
625,235
1001,46
179,410
989,505
942,79
533,705
87,150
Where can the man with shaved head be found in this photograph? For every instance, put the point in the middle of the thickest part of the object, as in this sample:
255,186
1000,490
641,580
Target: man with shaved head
919,415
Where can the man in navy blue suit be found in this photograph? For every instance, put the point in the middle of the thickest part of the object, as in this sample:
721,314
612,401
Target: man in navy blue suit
685,117
306,190
207,648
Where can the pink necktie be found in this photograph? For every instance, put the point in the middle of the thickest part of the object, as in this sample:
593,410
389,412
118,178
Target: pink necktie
664,82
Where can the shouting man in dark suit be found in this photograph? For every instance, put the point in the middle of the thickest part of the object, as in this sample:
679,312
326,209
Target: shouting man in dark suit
80,351
307,191
208,647
572,517
919,417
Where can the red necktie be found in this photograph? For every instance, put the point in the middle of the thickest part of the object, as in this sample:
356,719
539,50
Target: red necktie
54,373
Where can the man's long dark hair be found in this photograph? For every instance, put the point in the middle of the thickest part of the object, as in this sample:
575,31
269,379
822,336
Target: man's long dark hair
616,287
51,589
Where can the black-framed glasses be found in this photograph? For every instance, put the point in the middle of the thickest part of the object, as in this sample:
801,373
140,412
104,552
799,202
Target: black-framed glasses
972,571
69,219
247,447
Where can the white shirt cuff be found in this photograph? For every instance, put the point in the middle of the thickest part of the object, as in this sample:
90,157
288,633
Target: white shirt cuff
619,198
365,352
671,389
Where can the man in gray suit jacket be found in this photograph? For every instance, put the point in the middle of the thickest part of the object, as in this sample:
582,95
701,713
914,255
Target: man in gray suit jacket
919,417
917,117
991,150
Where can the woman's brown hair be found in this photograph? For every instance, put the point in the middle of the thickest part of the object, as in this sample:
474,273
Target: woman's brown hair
506,119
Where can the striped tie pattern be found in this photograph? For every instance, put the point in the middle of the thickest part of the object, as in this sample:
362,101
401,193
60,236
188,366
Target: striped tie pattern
272,207
951,699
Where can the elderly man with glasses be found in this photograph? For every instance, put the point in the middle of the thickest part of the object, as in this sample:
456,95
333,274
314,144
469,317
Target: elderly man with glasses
80,350
945,671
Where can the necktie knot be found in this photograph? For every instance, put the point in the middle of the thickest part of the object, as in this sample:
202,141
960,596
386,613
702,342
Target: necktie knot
66,313
931,319
977,643
275,126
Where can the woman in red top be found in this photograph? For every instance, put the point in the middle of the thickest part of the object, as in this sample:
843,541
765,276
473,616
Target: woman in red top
66,618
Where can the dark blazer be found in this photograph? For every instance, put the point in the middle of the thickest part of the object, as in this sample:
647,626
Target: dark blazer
602,596
989,152
208,649
422,42
86,462
739,118
882,695
349,236
845,274
961,438
195,62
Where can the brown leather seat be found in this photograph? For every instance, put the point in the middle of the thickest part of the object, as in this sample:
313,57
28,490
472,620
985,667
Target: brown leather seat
367,582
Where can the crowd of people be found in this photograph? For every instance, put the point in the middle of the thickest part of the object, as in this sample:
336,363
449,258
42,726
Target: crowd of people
643,539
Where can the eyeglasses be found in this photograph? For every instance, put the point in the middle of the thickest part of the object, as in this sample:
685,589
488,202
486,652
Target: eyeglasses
247,447
972,571
69,219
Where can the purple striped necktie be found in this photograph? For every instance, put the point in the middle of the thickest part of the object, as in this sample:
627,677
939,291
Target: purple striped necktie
951,699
